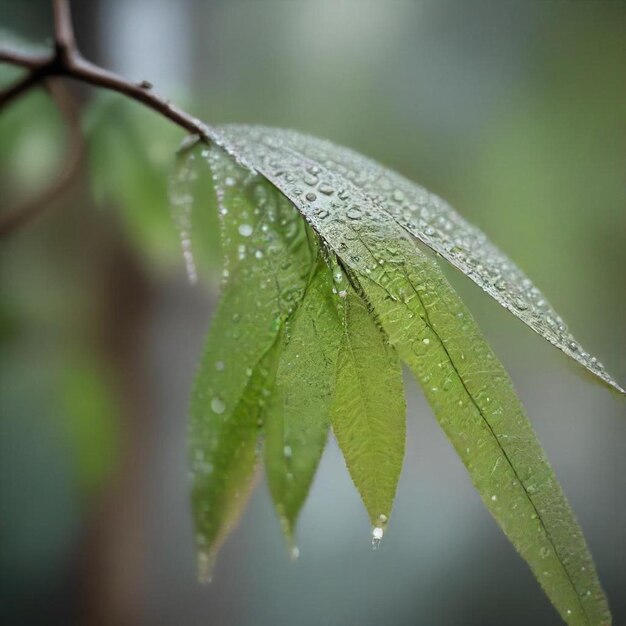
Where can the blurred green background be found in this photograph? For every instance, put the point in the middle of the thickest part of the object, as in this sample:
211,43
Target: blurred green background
513,111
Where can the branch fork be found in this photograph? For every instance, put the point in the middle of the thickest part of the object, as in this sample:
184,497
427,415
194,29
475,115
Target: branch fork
67,61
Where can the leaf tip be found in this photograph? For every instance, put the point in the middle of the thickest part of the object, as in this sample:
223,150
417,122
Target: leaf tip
378,531
206,563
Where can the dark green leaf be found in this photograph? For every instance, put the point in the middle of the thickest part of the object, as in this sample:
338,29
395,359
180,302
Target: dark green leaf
296,425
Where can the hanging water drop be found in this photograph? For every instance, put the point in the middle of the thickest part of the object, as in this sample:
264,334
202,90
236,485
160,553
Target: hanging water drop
377,537
182,206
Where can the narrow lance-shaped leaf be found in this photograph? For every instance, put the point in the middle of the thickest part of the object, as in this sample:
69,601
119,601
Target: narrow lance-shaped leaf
321,179
368,411
296,425
260,292
475,403
224,458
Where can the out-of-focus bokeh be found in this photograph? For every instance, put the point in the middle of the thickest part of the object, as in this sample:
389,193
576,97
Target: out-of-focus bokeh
513,111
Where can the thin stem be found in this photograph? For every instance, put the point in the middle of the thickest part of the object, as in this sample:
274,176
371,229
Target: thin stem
20,59
64,39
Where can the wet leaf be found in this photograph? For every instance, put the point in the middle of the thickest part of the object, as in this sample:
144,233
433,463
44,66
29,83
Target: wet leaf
224,456
341,179
296,425
368,411
260,292
476,405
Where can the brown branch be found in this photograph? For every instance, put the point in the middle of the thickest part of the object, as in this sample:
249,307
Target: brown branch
11,220
21,59
67,61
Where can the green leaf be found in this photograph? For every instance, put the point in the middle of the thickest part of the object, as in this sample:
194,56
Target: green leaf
324,180
296,425
224,456
476,405
368,411
260,292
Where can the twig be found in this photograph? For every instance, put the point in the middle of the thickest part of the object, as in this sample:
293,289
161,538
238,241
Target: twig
11,220
67,61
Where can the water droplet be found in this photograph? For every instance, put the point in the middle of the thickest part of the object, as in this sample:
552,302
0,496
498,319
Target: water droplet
229,181
217,405
494,498
377,536
245,230
205,566
311,197
520,304
354,213
287,452
426,341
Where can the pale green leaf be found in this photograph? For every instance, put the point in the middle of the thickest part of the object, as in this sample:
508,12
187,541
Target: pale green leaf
260,292
296,424
475,403
368,411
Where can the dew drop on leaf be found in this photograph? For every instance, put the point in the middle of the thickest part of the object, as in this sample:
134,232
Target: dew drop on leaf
217,405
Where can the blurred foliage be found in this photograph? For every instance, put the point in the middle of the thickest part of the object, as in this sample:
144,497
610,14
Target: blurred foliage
131,155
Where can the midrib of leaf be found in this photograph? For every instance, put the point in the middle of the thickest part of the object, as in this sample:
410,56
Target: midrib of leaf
370,438
368,423
381,440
